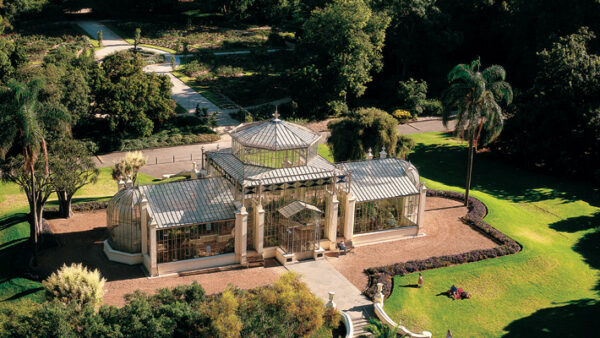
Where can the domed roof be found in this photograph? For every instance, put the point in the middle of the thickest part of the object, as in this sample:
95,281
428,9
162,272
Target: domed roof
274,134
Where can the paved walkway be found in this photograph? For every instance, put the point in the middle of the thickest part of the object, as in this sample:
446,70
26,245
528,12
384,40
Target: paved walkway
183,94
321,277
423,125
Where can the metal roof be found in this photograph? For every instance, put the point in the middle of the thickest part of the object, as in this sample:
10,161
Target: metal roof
189,202
274,134
380,179
295,207
251,175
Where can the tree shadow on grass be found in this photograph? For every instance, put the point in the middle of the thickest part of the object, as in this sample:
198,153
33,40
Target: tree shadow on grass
23,294
572,319
13,219
447,164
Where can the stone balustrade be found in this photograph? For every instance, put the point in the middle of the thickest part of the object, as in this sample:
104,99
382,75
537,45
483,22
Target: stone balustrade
385,319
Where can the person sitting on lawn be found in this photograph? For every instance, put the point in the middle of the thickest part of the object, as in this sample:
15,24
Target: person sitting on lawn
453,289
342,246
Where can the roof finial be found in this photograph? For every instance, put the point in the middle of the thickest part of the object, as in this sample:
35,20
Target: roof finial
276,114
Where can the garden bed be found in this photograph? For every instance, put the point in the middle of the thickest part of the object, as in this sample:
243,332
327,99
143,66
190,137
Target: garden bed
474,218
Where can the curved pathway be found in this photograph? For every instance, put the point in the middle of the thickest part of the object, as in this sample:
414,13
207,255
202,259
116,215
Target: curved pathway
183,94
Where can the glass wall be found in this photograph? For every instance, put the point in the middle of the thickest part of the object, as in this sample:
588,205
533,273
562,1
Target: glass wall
270,158
124,222
276,196
385,214
202,240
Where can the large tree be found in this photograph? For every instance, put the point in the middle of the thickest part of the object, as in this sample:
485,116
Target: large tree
132,101
22,132
556,124
72,168
477,97
339,46
366,128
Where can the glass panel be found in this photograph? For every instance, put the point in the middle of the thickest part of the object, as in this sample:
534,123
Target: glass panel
202,240
385,214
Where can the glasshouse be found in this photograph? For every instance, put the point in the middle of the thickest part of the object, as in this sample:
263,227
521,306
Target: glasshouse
270,195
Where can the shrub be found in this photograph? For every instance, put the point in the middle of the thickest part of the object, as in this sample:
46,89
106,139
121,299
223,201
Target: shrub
432,107
194,68
275,39
337,108
412,94
228,71
402,115
75,284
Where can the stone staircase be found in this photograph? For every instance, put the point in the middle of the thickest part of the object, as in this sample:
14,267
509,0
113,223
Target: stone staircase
359,327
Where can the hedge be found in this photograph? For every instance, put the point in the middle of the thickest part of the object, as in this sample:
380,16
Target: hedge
473,218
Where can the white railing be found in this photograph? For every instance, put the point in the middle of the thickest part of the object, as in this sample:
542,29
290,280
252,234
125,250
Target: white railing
348,324
385,319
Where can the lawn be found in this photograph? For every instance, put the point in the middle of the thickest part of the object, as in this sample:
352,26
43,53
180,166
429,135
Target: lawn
14,230
550,288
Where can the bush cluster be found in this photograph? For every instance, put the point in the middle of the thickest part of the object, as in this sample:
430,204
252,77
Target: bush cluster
82,207
75,284
402,115
286,309
432,107
477,211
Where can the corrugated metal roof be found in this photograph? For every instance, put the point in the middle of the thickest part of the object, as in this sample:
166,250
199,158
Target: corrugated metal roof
190,202
380,179
295,207
274,134
251,175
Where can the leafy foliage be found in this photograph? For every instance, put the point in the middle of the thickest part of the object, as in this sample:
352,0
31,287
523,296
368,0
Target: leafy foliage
412,95
341,44
75,284
365,128
129,166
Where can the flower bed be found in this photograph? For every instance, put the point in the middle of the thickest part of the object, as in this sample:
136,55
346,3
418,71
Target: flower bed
473,218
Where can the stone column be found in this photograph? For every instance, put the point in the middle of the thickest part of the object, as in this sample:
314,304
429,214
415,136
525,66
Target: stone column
153,246
241,234
379,295
331,304
349,217
421,212
259,227
144,223
332,220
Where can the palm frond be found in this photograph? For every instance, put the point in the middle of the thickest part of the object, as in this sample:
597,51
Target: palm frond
502,92
494,73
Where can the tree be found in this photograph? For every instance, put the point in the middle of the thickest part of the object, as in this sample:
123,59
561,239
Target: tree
22,131
477,96
100,43
72,168
136,39
560,114
132,101
412,95
365,128
340,46
129,166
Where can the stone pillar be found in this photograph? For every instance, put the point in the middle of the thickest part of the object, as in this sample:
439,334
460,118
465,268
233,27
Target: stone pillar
129,183
421,212
144,223
369,155
349,217
241,234
331,304
382,153
379,295
259,227
153,248
121,184
332,220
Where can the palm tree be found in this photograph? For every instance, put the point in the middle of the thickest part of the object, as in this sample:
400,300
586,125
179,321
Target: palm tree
476,95
381,330
21,129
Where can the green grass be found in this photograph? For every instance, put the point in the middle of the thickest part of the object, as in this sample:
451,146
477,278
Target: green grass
550,288
325,151
14,229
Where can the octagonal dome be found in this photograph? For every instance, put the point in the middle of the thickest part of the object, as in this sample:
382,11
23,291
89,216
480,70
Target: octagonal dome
274,134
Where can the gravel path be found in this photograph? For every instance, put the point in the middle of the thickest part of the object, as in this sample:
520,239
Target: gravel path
81,241
446,235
